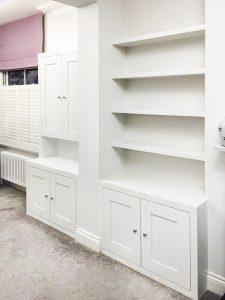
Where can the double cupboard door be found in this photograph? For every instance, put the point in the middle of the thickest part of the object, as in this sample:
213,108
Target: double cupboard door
148,234
58,77
52,197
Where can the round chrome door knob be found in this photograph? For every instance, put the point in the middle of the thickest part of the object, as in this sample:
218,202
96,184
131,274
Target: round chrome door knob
144,234
134,230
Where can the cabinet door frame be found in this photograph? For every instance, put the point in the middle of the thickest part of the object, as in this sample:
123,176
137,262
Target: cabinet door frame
182,275
132,254
70,101
67,222
43,211
43,62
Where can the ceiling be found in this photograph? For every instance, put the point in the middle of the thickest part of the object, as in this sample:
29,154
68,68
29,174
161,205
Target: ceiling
12,10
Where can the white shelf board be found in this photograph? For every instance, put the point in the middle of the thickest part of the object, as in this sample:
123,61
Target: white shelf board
159,74
156,112
194,155
219,148
181,33
57,164
149,188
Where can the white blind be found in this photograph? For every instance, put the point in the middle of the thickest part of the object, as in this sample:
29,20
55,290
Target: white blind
19,117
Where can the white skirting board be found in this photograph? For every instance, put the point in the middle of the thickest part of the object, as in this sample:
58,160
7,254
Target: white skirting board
81,236
216,283
88,240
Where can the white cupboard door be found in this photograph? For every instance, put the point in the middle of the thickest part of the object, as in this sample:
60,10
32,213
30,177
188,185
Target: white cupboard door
50,74
70,96
166,242
63,201
38,192
121,225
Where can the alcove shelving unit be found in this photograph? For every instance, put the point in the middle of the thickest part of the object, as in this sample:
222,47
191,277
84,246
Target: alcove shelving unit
152,133
137,135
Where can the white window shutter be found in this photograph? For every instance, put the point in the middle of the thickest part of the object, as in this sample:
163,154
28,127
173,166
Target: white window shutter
19,117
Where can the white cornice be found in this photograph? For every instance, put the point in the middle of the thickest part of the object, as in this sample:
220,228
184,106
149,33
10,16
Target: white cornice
48,6
55,7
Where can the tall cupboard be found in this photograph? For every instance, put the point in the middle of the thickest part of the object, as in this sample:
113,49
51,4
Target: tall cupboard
52,178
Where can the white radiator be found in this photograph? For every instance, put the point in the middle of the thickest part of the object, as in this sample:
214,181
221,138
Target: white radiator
13,167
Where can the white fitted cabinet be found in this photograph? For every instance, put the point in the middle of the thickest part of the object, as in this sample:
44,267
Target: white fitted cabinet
51,196
157,239
59,95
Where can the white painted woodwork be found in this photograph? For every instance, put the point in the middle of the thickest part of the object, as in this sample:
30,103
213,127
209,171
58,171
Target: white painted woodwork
70,96
165,234
50,74
152,123
157,149
59,95
133,111
52,192
39,192
88,192
78,3
177,73
63,201
61,27
121,225
171,35
61,165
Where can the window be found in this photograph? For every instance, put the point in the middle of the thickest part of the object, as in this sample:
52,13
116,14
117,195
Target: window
31,76
16,77
20,77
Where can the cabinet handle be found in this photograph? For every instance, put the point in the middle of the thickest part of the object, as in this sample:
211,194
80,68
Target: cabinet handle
46,196
64,97
145,235
134,230
59,97
52,198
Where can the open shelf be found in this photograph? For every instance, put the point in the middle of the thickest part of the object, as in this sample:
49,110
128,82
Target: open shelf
219,148
160,74
182,33
162,150
65,166
148,187
155,112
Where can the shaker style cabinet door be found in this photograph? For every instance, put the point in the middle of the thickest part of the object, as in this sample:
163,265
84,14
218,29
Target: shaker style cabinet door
166,242
63,201
70,96
39,192
121,225
50,76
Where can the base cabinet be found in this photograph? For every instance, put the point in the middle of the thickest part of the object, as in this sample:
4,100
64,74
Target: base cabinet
160,241
52,197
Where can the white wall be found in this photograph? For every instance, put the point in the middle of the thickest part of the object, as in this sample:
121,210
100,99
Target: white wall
215,164
61,30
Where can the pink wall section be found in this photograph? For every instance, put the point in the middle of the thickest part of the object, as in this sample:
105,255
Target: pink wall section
20,43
